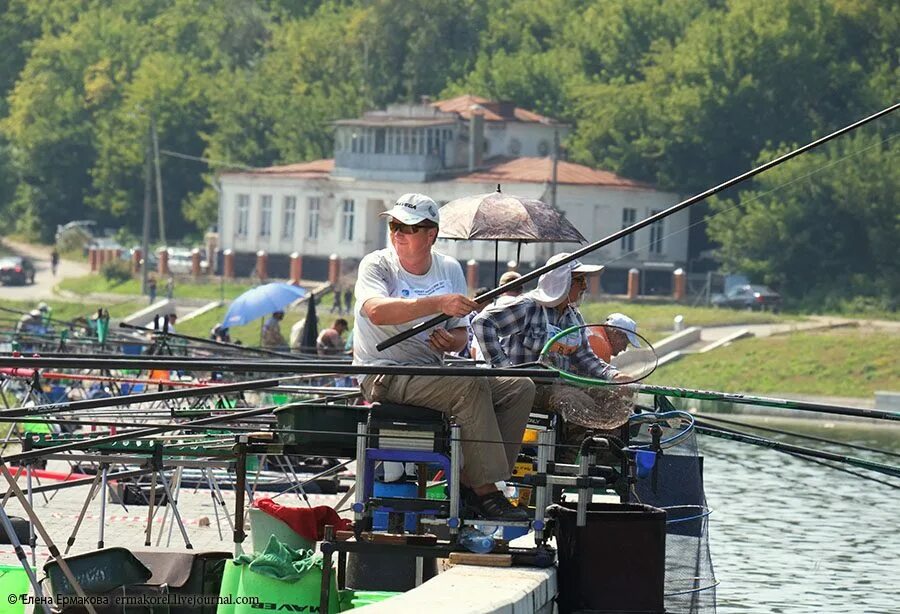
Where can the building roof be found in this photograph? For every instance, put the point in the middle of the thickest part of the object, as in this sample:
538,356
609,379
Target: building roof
492,110
394,122
314,169
540,170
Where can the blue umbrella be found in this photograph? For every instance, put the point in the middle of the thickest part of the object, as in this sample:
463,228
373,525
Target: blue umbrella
261,301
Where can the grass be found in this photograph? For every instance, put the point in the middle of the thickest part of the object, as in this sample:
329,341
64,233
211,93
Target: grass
211,289
844,363
655,320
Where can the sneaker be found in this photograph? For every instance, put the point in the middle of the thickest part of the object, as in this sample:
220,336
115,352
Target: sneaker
495,506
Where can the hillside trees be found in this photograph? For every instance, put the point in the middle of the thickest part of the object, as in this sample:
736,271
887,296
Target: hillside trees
680,93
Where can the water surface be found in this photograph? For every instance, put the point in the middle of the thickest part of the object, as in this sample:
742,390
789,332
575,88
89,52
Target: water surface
788,535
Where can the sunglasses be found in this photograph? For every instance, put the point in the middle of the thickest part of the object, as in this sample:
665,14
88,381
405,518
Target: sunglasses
408,229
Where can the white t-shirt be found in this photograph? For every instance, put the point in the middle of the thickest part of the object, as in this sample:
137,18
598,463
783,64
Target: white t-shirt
381,276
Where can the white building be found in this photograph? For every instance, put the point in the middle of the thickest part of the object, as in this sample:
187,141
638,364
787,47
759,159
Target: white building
446,149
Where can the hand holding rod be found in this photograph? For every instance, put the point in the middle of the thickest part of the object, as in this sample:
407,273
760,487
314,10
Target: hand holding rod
587,249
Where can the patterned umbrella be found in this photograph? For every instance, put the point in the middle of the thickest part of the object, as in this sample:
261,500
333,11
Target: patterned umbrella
503,217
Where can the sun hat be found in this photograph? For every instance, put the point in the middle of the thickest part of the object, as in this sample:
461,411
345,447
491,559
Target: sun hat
413,208
554,285
626,324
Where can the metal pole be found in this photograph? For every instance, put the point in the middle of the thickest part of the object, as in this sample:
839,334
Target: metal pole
159,194
487,296
145,232
20,554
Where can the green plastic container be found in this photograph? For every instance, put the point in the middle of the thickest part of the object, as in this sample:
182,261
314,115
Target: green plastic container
231,581
13,581
337,421
363,598
280,596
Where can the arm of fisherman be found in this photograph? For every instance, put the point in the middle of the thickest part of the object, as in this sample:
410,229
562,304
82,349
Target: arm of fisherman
496,322
373,292
387,310
452,340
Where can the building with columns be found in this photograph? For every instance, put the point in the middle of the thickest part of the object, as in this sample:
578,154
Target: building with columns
446,149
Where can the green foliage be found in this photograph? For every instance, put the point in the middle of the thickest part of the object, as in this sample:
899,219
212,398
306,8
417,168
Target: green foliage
680,93
116,271
818,234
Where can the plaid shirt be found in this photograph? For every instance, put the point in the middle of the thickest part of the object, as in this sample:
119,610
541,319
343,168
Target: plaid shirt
515,333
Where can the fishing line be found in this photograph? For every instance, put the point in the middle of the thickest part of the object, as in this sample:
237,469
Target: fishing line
799,435
741,203
845,470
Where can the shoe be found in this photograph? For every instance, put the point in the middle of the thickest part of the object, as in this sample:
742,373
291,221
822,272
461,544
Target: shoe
495,506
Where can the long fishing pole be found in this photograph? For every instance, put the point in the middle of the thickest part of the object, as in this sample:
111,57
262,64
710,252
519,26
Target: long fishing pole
134,399
833,442
213,342
483,298
188,364
746,399
738,436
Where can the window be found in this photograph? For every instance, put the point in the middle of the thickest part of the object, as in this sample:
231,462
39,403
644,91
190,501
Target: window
265,215
243,215
347,223
656,235
379,140
288,215
628,218
312,218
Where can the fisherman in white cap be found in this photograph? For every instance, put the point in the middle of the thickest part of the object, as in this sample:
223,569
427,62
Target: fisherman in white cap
618,332
408,283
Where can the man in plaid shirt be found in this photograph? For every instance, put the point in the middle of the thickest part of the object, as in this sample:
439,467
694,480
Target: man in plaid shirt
514,333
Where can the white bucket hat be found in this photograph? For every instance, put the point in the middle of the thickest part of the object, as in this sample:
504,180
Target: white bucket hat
553,286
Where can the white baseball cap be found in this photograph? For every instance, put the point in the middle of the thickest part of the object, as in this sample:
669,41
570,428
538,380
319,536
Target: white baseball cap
626,324
414,208
554,285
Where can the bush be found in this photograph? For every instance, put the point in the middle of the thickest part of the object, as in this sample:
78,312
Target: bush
116,271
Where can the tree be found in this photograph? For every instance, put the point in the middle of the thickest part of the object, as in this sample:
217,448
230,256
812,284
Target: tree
822,226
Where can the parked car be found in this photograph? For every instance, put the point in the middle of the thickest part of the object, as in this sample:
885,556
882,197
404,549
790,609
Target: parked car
16,270
180,261
751,296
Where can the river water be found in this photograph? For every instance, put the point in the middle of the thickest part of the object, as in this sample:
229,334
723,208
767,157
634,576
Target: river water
788,535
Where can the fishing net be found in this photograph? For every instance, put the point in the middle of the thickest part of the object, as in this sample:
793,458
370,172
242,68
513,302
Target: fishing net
578,354
675,483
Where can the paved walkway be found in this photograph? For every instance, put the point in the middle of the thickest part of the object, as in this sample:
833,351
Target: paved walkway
44,280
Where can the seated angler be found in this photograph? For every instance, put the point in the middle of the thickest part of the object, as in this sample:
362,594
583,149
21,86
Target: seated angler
408,283
515,332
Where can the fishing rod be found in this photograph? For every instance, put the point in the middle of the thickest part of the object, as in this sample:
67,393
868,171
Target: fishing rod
738,436
487,296
220,344
134,399
746,399
833,442
314,367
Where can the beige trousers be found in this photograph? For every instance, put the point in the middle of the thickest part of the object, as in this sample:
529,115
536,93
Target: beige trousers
488,410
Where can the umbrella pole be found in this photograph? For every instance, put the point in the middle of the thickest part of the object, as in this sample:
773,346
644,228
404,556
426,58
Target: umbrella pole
496,263
519,255
262,323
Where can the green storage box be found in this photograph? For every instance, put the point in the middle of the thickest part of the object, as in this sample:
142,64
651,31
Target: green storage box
336,423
